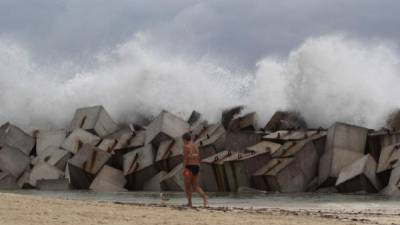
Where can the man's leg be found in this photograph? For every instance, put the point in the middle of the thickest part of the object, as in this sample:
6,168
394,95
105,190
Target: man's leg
188,188
200,191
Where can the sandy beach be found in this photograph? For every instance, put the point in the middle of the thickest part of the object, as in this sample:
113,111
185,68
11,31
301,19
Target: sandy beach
31,210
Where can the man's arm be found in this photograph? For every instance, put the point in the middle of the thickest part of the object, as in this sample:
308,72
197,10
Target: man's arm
186,150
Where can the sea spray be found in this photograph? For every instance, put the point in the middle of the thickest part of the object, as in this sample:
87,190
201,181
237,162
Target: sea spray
327,79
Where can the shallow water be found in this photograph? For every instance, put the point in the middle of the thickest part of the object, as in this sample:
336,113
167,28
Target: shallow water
349,203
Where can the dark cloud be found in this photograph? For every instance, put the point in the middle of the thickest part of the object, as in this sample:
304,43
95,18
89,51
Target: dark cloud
237,32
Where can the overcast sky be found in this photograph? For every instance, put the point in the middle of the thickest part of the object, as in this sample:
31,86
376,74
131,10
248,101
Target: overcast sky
235,32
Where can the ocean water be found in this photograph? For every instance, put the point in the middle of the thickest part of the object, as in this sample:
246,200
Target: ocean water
349,203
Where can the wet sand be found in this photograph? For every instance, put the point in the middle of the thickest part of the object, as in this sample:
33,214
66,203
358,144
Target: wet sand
30,210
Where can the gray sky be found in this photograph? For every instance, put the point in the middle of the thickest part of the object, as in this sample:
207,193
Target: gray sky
236,32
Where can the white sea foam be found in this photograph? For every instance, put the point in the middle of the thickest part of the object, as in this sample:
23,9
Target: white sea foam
327,79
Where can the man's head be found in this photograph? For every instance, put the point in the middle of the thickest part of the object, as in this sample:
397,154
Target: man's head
186,138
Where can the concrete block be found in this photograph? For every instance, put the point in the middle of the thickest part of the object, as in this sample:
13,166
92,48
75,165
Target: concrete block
229,114
44,171
359,176
54,185
194,118
138,140
109,180
265,146
85,165
377,140
211,141
166,126
246,122
239,141
390,155
239,167
139,167
13,161
95,120
345,143
285,120
154,184
169,154
107,145
7,181
15,137
54,156
283,175
121,137
49,138
23,180
173,181
78,138
212,173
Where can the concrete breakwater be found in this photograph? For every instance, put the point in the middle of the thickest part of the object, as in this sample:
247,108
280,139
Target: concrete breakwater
98,154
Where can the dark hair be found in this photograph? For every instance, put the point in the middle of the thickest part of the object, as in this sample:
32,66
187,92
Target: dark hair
187,137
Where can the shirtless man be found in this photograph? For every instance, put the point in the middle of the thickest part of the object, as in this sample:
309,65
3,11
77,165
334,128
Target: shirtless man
191,164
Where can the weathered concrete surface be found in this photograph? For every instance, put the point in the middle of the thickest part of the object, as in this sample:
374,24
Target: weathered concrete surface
85,165
109,180
139,167
239,141
212,174
49,138
359,176
13,161
44,171
285,120
377,140
54,156
390,155
95,120
78,138
246,122
15,137
345,144
211,141
393,186
173,181
121,138
7,181
154,184
54,185
165,127
239,167
169,154
138,140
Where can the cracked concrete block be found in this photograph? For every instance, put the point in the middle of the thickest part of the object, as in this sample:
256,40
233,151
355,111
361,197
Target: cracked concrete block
166,126
49,138
95,120
84,166
139,167
345,144
359,176
15,137
13,161
78,138
109,180
44,171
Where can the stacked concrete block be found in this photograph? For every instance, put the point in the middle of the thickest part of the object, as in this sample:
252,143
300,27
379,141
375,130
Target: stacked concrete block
13,161
78,138
95,120
109,180
54,156
246,122
229,114
138,140
44,171
378,140
393,186
211,140
169,154
14,137
344,145
239,167
212,177
121,139
166,126
84,166
239,141
154,183
298,160
139,167
390,155
359,176
173,181
23,180
49,138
